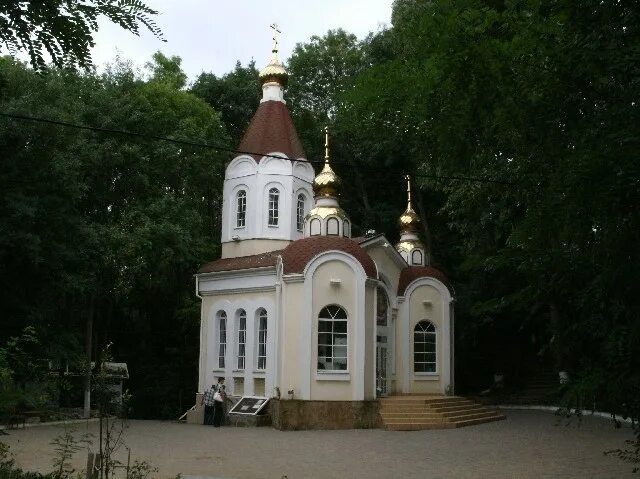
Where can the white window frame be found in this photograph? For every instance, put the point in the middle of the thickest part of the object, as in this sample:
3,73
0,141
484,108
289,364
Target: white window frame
311,223
222,338
300,207
241,209
427,330
273,212
413,257
333,220
242,340
261,359
329,317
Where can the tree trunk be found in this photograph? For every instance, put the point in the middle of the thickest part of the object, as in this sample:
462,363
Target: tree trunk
88,346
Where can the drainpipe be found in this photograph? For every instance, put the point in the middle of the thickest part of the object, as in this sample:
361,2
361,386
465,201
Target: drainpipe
203,343
278,343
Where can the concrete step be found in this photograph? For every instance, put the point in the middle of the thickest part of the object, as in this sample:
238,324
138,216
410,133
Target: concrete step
472,415
402,413
462,407
414,420
474,422
387,416
417,427
462,412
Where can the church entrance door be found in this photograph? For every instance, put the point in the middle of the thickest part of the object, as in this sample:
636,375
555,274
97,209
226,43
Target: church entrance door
383,344
382,388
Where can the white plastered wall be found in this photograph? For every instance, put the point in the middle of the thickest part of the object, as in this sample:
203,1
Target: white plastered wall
231,303
425,298
256,236
304,297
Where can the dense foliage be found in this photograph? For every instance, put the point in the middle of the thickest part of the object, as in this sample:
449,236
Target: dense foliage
107,226
62,30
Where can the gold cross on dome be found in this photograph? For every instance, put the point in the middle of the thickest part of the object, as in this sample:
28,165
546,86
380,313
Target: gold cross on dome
326,144
274,27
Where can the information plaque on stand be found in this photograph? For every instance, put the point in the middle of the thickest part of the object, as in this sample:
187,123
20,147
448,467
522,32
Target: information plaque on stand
250,405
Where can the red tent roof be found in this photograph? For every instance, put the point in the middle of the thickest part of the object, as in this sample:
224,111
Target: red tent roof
271,129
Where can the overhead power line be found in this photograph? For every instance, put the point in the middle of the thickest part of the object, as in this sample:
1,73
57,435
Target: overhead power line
215,147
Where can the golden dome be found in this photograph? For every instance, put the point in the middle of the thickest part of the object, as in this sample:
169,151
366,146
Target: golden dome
274,72
327,183
409,220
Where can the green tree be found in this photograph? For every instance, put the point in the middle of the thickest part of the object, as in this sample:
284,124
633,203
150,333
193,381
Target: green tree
114,227
236,95
62,30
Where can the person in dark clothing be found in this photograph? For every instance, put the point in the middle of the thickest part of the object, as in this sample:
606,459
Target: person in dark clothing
209,404
219,400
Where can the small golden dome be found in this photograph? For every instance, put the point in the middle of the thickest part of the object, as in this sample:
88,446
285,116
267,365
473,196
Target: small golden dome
327,182
274,72
409,221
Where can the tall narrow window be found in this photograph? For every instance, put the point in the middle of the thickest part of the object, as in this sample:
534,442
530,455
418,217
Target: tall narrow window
241,209
424,347
346,231
242,338
332,339
300,213
416,257
222,338
274,199
262,339
383,307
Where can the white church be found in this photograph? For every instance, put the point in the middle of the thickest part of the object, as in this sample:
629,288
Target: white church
297,309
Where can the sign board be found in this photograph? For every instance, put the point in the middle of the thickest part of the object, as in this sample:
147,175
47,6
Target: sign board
250,405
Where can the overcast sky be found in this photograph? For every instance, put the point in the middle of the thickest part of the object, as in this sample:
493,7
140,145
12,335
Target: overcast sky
210,35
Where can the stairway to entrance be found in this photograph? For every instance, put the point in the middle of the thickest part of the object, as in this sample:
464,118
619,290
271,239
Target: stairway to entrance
413,413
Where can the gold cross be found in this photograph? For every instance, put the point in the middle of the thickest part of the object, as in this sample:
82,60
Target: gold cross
274,27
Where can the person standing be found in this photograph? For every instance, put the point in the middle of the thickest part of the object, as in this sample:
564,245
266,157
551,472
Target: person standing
219,397
209,404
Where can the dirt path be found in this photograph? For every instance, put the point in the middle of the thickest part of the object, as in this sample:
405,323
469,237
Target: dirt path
527,445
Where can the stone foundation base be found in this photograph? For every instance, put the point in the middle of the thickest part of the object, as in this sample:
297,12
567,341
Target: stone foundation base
243,420
289,415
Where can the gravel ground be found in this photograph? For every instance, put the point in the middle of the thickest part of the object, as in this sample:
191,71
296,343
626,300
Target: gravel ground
529,444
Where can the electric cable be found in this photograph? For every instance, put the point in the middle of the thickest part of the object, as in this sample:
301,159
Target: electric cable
215,147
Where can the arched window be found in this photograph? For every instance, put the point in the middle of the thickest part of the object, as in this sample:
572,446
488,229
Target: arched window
424,347
262,338
222,338
315,227
383,307
333,226
242,337
346,231
416,257
241,209
332,339
274,200
405,256
300,212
